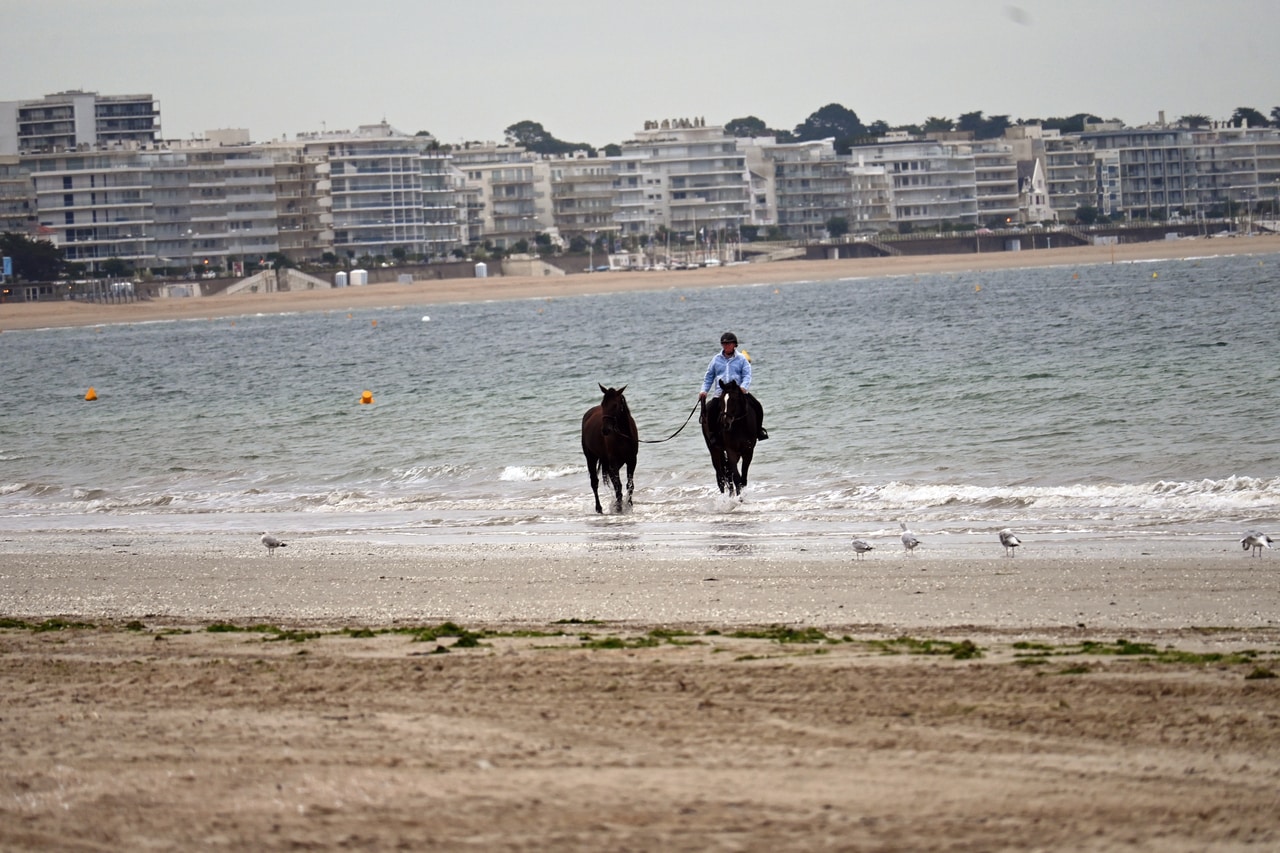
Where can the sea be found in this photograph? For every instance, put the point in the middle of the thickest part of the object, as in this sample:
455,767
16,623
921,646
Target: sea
1122,400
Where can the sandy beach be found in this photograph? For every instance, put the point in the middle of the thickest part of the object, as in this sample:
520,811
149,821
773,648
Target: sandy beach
56,314
356,695
359,691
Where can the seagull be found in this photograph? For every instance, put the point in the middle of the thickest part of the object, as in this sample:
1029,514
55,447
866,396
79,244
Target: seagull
1009,541
909,540
861,547
1255,541
272,543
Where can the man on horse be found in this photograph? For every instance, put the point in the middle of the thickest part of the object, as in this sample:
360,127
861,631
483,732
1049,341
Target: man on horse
730,365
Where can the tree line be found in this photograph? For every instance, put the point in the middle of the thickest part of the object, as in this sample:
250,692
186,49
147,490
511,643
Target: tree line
835,121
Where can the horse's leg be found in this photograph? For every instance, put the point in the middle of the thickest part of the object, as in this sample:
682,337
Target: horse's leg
616,482
747,454
631,485
592,465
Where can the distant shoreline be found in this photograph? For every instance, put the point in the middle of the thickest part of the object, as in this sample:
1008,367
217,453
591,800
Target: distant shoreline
41,315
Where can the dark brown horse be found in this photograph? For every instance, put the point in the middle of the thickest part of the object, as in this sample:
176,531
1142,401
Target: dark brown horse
730,432
609,441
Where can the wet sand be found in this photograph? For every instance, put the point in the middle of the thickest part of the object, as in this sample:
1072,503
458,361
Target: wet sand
57,314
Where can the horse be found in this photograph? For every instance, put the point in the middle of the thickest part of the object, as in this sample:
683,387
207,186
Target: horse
609,441
733,440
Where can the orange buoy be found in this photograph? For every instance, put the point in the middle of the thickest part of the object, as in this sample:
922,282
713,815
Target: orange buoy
366,398
91,394
375,323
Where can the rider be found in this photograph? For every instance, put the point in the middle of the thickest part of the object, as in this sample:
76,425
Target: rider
727,365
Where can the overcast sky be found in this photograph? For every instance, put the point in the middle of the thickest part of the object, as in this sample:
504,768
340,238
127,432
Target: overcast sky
594,71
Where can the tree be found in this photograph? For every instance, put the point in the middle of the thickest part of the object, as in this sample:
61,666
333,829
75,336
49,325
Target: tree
116,268
534,137
752,126
33,260
832,121
1194,120
1069,124
983,128
1275,116
1086,215
934,124
837,226
747,126
1250,115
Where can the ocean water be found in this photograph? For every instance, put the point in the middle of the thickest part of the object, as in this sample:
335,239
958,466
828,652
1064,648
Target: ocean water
1114,400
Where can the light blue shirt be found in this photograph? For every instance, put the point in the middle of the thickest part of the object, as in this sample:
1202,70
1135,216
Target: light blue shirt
724,369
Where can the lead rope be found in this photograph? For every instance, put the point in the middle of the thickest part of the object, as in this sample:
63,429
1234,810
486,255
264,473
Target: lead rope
674,434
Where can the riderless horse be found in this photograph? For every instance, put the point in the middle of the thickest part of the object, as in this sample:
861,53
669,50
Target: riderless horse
730,435
609,441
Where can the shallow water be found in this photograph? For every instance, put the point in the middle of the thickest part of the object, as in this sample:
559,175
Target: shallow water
1092,401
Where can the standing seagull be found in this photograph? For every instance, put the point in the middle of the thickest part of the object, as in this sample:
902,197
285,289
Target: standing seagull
909,540
272,543
861,547
1009,541
1255,541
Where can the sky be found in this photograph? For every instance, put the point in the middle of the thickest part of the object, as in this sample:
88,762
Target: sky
593,71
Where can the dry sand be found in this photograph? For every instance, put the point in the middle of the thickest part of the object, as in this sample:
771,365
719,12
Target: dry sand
1102,697
1083,696
54,314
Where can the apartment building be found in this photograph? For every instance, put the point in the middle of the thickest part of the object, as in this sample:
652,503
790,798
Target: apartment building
582,196
805,184
96,204
683,175
17,206
930,181
389,191
71,119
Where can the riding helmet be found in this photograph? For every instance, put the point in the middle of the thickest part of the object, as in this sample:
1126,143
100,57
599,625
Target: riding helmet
729,338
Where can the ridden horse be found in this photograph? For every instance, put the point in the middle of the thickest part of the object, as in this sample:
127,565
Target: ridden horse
610,440
733,439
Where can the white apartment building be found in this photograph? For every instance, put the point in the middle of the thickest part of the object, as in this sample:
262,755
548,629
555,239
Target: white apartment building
684,175
806,184
389,191
931,182
582,196
97,204
68,120
17,208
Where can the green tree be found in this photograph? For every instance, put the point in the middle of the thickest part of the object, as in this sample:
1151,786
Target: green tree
1250,115
534,137
1086,214
935,124
1195,120
1275,116
33,260
752,126
117,268
837,226
833,120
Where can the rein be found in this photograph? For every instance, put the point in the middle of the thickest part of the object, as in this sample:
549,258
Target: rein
674,434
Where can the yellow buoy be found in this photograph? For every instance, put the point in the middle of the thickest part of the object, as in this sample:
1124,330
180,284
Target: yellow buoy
91,394
977,288
745,354
366,398
1155,275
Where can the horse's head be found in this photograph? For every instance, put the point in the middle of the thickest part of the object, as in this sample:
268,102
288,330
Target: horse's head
614,414
733,399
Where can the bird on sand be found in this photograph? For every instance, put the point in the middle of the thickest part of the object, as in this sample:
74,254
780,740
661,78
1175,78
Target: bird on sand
272,543
1254,541
861,547
1009,541
909,540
